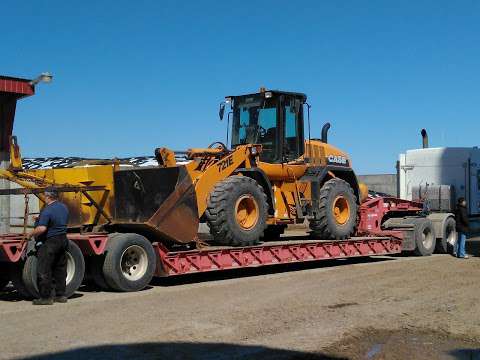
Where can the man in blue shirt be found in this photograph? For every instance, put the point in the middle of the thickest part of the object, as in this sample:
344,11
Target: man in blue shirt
51,235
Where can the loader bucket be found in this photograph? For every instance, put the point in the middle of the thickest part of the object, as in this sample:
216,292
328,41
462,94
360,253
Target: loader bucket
157,200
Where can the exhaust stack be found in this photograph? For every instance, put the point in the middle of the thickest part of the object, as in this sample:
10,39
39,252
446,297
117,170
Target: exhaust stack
325,129
424,138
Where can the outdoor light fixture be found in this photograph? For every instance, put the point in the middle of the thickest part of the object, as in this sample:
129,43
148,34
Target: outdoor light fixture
45,77
268,95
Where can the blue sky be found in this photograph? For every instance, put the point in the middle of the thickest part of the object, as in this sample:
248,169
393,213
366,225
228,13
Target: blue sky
130,76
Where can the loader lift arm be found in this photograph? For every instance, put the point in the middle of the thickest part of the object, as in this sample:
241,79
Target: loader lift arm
178,216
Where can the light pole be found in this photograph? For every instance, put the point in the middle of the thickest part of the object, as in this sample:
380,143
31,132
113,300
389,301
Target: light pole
44,77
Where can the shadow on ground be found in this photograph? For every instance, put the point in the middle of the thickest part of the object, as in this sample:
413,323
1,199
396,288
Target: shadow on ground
264,270
415,344
472,247
183,351
366,344
9,294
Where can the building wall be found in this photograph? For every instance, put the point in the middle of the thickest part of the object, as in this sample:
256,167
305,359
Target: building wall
383,183
17,211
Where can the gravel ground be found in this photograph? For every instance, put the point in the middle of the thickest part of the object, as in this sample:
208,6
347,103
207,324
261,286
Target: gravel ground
374,308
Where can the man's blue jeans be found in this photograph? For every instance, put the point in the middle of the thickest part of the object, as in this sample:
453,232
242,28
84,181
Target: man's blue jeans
460,245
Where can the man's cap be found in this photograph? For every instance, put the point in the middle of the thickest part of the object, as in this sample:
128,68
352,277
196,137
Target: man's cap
51,191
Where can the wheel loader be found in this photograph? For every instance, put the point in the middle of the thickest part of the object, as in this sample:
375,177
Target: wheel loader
268,176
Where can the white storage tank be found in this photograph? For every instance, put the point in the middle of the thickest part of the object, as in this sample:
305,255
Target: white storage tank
458,167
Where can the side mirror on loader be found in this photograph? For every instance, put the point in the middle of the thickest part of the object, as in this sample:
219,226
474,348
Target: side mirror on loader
221,111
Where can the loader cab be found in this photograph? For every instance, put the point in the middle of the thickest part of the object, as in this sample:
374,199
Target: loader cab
271,118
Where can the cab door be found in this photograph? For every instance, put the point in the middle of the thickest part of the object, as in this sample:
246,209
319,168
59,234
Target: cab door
292,128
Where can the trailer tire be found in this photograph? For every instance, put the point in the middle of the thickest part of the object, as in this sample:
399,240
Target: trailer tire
16,272
130,262
3,282
237,211
425,239
338,211
273,232
446,243
96,272
4,275
75,271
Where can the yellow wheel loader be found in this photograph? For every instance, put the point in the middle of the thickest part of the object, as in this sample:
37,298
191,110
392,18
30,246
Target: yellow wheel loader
269,177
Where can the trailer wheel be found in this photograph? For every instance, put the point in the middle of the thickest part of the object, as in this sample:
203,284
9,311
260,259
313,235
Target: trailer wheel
337,217
75,271
16,272
95,270
4,275
4,280
273,232
237,211
130,262
425,239
445,245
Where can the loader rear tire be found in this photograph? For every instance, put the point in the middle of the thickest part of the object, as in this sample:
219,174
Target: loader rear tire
237,211
338,208
75,271
130,262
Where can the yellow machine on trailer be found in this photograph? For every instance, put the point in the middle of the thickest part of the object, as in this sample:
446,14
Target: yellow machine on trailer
271,177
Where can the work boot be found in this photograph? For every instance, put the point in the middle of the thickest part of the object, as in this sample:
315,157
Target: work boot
61,299
42,301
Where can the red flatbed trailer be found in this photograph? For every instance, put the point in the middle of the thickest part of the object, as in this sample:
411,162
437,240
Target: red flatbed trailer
212,258
387,226
372,240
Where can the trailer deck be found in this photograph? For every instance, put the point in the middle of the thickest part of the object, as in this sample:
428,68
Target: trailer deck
212,258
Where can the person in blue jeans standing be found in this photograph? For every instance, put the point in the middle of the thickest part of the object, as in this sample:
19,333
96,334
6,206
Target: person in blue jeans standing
461,217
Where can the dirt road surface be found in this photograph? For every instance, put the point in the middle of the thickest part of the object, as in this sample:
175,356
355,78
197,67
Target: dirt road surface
382,308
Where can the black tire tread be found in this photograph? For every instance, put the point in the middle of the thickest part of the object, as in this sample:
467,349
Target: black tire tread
16,272
29,273
216,211
96,272
443,247
113,277
419,248
319,227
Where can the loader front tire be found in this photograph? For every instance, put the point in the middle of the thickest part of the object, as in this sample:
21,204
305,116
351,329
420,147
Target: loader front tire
237,211
337,216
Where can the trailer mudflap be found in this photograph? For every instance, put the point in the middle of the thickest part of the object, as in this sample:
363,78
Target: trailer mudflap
12,247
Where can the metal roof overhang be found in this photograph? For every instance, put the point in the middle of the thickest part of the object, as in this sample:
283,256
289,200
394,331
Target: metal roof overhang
16,87
11,89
